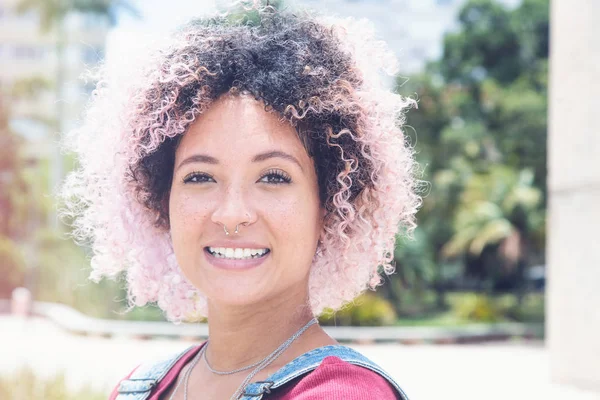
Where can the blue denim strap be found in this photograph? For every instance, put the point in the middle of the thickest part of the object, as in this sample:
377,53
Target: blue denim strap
145,377
141,382
310,361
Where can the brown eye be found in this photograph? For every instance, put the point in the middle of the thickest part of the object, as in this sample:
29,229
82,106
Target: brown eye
275,177
197,177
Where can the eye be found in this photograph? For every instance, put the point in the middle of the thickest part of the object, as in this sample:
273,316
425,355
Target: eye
197,177
275,177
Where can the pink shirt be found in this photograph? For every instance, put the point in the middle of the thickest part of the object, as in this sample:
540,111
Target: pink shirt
333,379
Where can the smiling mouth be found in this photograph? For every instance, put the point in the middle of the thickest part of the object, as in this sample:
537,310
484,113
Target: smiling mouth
237,253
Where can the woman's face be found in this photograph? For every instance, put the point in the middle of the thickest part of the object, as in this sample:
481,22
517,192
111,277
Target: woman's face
239,164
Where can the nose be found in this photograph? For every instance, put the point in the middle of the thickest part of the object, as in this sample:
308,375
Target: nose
233,209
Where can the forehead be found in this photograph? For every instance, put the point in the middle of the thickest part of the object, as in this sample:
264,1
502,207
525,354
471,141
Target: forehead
238,125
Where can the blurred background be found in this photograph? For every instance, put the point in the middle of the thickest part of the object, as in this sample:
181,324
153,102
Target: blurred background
466,309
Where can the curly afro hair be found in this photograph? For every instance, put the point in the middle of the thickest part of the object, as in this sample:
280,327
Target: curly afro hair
322,76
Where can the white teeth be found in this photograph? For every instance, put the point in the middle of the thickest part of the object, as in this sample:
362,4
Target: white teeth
236,253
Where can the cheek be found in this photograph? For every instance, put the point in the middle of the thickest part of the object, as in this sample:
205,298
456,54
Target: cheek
296,223
187,216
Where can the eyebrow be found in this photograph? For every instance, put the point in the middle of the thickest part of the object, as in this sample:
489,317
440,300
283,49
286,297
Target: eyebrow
203,158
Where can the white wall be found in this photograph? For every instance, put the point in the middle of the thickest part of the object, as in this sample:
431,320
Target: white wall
573,248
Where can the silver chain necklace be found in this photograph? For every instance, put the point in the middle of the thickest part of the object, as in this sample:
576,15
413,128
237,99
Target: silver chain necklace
260,365
271,357
214,371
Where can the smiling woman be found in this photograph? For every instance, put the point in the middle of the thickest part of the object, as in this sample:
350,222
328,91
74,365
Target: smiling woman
240,165
253,173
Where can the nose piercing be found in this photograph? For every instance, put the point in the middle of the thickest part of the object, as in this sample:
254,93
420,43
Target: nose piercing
236,228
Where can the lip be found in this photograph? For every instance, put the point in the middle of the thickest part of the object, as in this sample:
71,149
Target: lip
236,265
236,244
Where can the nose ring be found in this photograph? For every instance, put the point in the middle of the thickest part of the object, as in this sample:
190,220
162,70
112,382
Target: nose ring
236,228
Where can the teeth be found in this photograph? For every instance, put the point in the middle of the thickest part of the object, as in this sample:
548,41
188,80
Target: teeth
237,253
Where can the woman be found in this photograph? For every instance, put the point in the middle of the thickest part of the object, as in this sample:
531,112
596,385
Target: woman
253,173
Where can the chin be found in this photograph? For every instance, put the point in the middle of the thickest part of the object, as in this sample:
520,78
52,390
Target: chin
234,291
239,299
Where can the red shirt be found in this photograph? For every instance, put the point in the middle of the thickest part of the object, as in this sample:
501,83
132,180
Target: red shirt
333,379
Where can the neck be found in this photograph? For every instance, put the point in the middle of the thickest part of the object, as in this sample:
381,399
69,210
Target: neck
240,336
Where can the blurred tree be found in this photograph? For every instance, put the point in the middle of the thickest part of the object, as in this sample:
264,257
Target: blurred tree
14,190
502,209
17,205
486,45
498,60
499,206
481,137
56,262
415,271
52,17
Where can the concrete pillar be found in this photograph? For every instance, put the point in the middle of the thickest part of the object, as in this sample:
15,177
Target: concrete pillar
573,245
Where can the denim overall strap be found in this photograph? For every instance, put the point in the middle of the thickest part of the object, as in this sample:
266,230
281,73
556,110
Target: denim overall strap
310,361
145,377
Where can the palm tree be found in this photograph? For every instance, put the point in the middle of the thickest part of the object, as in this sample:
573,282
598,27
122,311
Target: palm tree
502,208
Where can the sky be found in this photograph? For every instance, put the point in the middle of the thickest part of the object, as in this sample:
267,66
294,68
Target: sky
157,17
412,28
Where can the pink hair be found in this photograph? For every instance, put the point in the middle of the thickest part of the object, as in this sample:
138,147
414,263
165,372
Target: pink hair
124,124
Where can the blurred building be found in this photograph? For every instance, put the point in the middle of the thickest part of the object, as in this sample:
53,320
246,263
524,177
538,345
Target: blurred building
28,58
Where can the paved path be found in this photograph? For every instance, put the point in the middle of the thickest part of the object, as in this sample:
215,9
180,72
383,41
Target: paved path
503,371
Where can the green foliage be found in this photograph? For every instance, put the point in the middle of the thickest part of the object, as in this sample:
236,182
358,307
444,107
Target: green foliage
54,269
15,194
24,384
51,265
480,132
476,307
366,310
414,262
494,207
531,309
19,204
473,53
62,275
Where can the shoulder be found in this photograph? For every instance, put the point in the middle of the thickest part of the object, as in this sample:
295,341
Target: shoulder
115,391
163,371
335,378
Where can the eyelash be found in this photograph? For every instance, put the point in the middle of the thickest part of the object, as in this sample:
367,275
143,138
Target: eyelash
282,176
